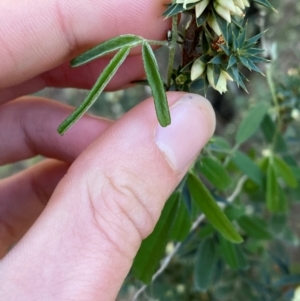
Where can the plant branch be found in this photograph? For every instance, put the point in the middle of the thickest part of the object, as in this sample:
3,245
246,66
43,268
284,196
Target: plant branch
172,47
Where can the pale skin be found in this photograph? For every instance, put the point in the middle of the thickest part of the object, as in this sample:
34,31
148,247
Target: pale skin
104,183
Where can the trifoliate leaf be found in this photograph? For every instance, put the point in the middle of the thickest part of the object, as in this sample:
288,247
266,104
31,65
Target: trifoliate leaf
97,89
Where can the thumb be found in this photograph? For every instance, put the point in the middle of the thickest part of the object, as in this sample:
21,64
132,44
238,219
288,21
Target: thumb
82,246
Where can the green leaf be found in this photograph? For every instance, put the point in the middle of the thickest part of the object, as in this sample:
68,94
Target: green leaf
182,223
265,3
234,212
251,122
206,259
153,247
284,171
97,89
232,254
202,18
215,172
107,47
255,227
205,42
232,61
272,136
216,73
156,85
223,25
241,37
252,41
206,230
276,201
173,10
212,211
248,167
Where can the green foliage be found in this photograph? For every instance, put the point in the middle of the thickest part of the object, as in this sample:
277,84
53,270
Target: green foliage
252,173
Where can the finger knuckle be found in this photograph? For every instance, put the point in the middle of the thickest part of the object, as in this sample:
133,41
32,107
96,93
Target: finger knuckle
121,207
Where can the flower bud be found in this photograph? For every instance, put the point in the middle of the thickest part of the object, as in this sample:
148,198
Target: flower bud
200,7
221,85
212,22
227,4
197,69
239,3
223,12
238,12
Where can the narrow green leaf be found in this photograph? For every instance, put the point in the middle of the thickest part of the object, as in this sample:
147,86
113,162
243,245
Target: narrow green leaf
232,254
153,247
254,51
251,122
253,67
212,211
276,201
232,61
234,212
241,38
204,42
215,172
248,167
255,227
156,85
107,47
265,3
97,89
217,60
284,171
269,129
173,10
225,48
216,73
182,222
253,40
223,25
206,259
202,18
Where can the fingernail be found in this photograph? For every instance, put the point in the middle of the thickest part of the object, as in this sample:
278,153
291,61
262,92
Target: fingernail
192,124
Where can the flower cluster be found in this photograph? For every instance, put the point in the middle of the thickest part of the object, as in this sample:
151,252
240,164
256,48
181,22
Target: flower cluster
225,8
199,68
217,35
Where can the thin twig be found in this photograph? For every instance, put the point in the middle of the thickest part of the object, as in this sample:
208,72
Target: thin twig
238,189
168,258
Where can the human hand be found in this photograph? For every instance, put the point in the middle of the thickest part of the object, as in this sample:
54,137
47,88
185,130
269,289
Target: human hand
104,182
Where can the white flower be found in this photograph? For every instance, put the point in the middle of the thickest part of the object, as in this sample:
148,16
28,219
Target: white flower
227,4
223,12
221,85
200,7
239,3
212,22
197,69
238,12
297,294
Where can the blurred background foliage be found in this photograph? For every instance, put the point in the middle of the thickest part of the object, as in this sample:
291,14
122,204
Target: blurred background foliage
202,265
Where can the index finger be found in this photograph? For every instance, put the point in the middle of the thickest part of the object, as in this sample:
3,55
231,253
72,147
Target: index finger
36,36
